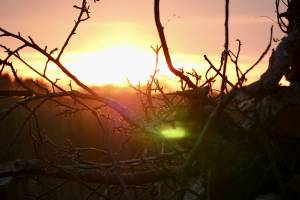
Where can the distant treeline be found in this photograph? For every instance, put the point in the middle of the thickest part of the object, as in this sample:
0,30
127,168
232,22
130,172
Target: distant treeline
7,82
80,128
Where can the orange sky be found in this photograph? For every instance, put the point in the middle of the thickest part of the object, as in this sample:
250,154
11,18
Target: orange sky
115,42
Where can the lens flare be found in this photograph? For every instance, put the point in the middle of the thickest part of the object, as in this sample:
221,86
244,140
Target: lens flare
174,133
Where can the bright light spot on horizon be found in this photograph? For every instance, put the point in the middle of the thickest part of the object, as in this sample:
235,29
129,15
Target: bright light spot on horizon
174,133
113,65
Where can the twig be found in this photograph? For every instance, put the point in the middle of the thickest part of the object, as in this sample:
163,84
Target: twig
218,71
83,10
261,56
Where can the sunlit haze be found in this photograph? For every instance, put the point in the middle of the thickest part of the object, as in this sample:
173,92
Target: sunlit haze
115,43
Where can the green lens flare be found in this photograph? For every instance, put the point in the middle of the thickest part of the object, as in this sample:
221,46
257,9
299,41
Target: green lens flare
173,133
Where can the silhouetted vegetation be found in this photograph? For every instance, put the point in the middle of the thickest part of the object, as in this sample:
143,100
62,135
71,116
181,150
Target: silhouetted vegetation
110,143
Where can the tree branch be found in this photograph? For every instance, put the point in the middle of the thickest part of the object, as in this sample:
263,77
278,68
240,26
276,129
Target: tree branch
164,45
39,167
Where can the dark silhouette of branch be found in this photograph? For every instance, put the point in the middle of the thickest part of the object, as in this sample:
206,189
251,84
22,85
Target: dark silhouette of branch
127,114
142,168
44,168
235,59
261,56
218,71
279,64
282,24
164,45
83,10
226,47
11,93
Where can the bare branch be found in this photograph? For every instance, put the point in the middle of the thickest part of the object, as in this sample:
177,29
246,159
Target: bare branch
164,45
226,47
262,55
83,10
38,167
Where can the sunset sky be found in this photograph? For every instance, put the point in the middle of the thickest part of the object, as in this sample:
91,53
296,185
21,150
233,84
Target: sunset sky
115,42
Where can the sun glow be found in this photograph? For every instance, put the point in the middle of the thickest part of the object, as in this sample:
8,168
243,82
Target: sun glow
112,65
117,64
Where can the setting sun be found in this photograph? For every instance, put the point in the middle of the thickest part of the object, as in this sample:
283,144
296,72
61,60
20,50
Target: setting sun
115,45
112,65
119,99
